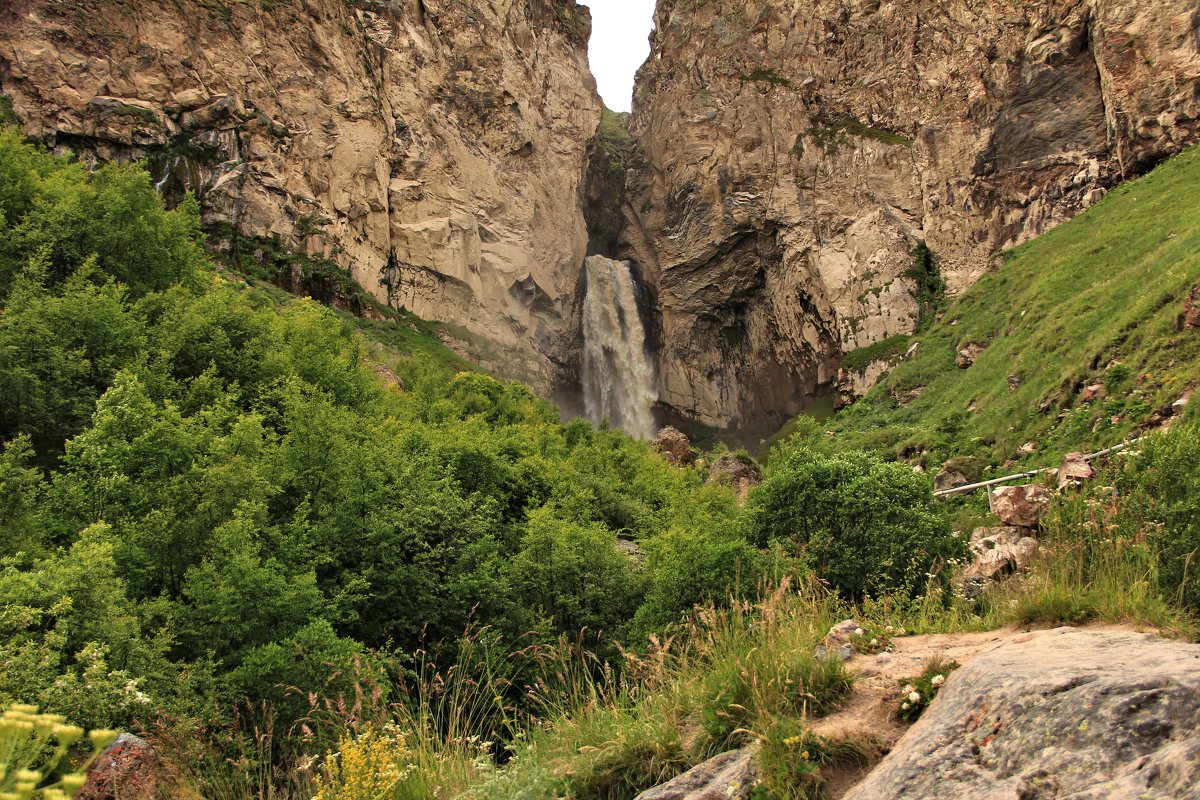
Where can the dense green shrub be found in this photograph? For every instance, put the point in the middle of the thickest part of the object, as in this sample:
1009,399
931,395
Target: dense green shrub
865,526
1160,488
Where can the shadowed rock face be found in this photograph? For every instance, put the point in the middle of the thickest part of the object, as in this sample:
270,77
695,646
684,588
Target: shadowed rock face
452,134
799,151
1067,713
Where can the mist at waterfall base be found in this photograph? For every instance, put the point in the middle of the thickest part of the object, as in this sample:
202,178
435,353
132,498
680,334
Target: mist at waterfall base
617,377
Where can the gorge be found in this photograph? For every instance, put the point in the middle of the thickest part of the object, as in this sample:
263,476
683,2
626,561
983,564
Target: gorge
787,160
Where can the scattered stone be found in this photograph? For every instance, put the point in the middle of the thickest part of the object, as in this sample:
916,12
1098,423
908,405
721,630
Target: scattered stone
1014,382
1074,470
966,357
912,350
1092,393
732,470
390,379
1191,310
839,642
1179,405
949,479
997,552
129,769
729,776
1084,714
1027,449
674,446
631,549
1023,506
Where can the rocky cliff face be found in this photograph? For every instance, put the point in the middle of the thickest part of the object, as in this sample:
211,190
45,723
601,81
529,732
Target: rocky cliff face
800,151
435,148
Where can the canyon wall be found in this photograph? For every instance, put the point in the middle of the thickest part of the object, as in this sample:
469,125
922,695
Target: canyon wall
799,151
435,148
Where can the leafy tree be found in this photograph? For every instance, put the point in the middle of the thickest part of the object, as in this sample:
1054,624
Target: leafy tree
865,526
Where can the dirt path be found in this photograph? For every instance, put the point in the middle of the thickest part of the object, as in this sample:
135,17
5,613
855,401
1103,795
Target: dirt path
868,716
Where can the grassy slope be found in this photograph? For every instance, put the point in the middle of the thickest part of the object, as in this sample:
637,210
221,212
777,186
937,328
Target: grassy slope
1105,288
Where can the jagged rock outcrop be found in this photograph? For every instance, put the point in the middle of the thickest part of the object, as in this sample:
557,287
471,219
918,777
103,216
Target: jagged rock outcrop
436,148
1067,714
800,152
728,776
1023,506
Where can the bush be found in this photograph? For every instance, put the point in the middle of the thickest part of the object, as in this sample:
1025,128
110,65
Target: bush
865,527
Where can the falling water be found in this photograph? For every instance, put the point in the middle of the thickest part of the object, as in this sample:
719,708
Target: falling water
618,378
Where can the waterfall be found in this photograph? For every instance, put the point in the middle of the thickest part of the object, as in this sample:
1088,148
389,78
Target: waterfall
618,378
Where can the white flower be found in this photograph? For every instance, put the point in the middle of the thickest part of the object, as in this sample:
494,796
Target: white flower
938,680
908,687
874,643
889,629
904,706
901,630
858,631
914,697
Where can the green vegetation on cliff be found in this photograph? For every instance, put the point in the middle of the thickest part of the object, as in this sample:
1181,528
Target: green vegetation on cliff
1098,300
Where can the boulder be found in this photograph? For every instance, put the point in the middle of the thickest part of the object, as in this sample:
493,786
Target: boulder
1027,449
997,552
966,357
1074,470
1066,713
129,769
739,474
949,479
1092,393
1023,506
674,446
729,776
1014,382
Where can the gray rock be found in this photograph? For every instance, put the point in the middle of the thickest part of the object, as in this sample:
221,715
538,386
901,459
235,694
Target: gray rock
728,776
949,479
997,552
1068,713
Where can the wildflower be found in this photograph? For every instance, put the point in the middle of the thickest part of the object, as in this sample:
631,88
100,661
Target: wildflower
890,629
914,697
908,689
858,631
874,643
904,706
938,680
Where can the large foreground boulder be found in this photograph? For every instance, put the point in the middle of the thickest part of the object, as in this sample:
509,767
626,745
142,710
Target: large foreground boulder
729,776
1078,714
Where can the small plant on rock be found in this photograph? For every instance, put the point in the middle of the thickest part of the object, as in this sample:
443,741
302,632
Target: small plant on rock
918,693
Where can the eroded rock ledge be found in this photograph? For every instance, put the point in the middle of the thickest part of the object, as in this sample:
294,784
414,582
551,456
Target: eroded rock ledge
434,147
799,152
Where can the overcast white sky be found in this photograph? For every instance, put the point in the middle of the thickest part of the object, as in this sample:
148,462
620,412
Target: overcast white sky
618,46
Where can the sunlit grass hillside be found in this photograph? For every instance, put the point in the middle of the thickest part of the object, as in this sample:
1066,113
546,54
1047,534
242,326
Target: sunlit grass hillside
1096,300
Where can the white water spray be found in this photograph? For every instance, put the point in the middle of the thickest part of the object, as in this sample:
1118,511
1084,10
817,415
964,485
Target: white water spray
618,378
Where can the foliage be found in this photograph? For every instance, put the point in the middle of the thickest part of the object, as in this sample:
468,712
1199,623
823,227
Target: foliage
927,281
614,138
35,754
791,758
884,350
865,526
918,692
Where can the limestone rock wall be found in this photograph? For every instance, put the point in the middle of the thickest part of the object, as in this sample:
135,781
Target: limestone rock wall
799,150
453,135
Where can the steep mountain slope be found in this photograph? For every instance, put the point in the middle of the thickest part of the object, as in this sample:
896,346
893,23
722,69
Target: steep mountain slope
1107,301
435,148
799,152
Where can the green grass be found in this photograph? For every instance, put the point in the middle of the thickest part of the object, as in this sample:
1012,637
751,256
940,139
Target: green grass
1058,313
